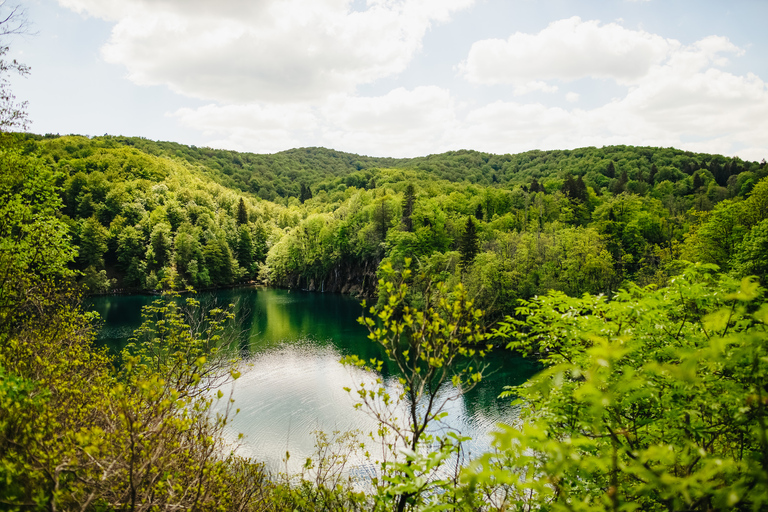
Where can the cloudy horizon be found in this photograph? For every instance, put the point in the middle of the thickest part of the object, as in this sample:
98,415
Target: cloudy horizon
402,78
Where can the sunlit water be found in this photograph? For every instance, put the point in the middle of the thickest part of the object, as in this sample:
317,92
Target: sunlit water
292,382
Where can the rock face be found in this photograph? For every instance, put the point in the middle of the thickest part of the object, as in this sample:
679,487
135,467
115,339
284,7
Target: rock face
359,280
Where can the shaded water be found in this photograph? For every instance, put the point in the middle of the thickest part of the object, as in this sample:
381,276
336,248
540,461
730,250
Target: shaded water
292,382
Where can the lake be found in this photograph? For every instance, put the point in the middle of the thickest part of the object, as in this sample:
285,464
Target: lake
292,382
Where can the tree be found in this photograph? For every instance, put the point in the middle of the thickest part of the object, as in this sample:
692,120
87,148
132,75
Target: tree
260,247
653,400
479,212
618,186
160,246
575,189
131,246
218,261
409,197
244,248
35,248
242,213
186,251
381,218
93,243
468,246
434,345
697,182
13,114
652,175
305,193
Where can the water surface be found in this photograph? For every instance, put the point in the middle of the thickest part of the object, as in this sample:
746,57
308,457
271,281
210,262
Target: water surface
292,382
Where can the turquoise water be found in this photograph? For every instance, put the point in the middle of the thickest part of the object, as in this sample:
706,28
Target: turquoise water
292,382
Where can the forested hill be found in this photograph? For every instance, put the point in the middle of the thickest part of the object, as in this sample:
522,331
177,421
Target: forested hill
149,214
280,175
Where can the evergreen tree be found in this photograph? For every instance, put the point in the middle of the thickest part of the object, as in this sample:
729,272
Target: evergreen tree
408,201
569,187
468,245
242,213
581,190
619,185
721,173
479,212
575,189
652,175
697,181
244,248
381,218
610,171
305,193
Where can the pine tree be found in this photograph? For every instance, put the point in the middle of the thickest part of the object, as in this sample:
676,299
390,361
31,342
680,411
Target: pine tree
304,193
245,248
242,213
652,176
610,171
581,190
468,245
569,187
479,212
697,181
619,185
381,218
408,200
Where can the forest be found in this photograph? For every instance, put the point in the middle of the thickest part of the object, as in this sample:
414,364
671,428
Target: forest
508,227
635,275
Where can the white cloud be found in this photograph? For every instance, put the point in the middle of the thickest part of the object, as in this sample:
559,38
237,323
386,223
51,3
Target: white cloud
525,88
674,93
269,50
566,50
721,112
262,128
718,111
400,123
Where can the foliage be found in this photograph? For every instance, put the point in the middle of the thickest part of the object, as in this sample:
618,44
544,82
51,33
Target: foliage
141,210
653,400
435,345
34,247
74,435
324,483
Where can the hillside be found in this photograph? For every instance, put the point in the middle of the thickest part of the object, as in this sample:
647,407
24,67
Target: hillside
281,174
508,226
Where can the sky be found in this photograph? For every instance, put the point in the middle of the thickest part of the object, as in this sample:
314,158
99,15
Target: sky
402,78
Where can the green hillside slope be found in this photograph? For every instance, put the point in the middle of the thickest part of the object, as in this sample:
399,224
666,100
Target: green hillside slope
508,226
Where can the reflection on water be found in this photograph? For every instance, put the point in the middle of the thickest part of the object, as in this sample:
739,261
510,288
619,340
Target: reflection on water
292,382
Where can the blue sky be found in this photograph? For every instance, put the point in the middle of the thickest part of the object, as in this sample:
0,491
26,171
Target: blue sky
402,77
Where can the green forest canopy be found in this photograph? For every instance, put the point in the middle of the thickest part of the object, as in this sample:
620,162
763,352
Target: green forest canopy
583,220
